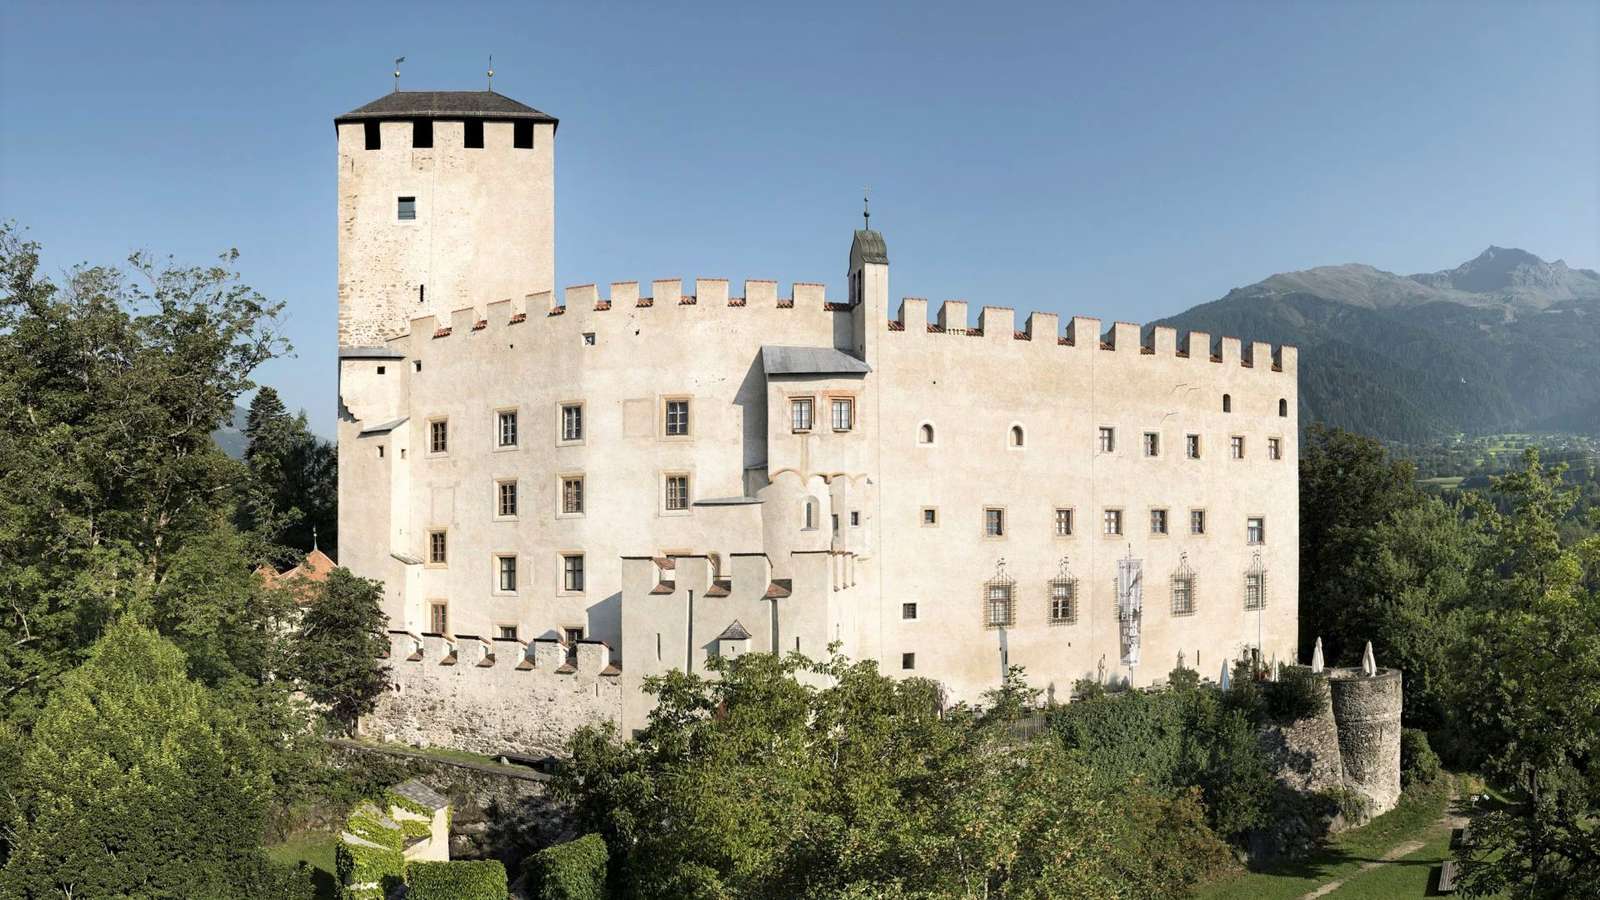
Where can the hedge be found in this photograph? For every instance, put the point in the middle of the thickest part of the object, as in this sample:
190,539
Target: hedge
1418,763
575,870
479,879
359,864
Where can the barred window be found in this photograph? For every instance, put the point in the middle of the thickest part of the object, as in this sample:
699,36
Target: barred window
439,436
800,413
843,413
572,496
507,499
677,492
1183,580
572,421
677,417
572,572
437,547
908,611
507,431
999,594
1255,584
506,566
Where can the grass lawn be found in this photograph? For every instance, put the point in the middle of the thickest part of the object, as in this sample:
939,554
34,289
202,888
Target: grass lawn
314,848
1412,819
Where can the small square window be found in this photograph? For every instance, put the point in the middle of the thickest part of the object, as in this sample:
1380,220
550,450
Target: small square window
1197,521
506,574
908,611
1236,446
800,414
994,522
408,208
416,365
1274,448
1255,531
507,633
380,370
678,492
855,518
1108,440
439,618
1152,444
506,499
930,516
1111,522
588,339
571,421
572,572
572,496
380,451
1192,446
1158,521
1063,522
844,414
677,417
439,436
506,428
437,548
908,661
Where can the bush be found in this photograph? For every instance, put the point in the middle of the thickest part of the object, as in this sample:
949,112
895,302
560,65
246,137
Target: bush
1418,763
575,870
1298,694
478,879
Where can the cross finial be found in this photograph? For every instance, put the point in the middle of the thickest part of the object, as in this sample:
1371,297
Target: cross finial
313,538
866,209
491,71
397,61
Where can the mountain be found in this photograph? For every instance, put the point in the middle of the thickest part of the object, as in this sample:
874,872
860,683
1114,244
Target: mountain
1502,342
230,437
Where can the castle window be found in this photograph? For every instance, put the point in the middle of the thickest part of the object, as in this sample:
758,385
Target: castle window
472,134
1236,446
999,595
1197,521
1016,436
506,499
810,514
572,572
677,418
374,134
588,339
522,134
1274,448
1063,522
380,451
1227,403
855,518
439,618
1152,444
925,434
908,611
1063,593
422,289
1283,408
800,414
1255,585
930,516
572,496
422,133
994,522
506,572
437,548
843,413
408,208
1158,521
571,422
1111,522
1255,530
380,370
416,365
439,436
1183,580
677,492
506,430
1108,440
1192,446
507,633
572,637
908,661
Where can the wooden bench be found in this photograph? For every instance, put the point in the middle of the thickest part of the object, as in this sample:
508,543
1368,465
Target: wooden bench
1447,877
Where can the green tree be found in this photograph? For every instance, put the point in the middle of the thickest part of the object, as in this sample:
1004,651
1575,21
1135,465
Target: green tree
291,496
136,782
339,644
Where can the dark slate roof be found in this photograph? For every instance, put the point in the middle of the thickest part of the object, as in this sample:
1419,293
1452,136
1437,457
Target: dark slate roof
870,245
369,353
417,792
734,632
444,105
810,361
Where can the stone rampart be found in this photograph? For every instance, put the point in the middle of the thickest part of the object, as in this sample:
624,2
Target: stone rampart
1366,711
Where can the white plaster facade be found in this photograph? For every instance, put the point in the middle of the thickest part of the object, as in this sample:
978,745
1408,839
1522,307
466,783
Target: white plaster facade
954,416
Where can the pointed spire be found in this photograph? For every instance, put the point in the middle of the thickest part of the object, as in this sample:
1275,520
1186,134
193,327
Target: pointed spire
313,539
1316,658
1369,664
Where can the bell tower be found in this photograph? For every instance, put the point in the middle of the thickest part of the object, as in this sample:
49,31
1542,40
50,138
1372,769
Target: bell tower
446,200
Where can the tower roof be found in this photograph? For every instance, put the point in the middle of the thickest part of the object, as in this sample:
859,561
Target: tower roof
444,105
868,247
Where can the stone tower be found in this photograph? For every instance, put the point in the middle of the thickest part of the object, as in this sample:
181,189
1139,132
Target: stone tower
446,200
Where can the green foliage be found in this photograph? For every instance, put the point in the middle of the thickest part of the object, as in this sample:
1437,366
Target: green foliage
481,879
1418,763
575,870
826,779
365,872
338,646
136,779
291,495
1297,694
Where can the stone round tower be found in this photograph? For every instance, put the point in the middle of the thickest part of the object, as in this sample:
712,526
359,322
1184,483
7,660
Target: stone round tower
446,200
1366,710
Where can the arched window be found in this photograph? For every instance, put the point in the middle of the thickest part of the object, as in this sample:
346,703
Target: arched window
1016,436
925,434
1227,403
811,514
1283,408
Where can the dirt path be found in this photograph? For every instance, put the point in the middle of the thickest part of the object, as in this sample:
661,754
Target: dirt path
1449,820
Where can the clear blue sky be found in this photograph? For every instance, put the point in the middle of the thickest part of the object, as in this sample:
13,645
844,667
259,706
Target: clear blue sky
1118,160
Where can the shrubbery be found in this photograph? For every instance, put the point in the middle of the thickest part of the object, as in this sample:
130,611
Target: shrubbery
1418,763
478,879
575,870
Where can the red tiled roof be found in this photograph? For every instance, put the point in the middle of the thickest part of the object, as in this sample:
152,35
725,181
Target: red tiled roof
519,318
442,332
557,310
897,326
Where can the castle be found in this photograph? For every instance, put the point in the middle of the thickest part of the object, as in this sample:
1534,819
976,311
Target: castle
567,493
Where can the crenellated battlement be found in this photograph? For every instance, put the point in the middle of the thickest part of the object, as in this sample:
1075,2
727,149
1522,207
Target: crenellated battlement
547,655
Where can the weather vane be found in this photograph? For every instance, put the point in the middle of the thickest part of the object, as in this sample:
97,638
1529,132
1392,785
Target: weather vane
397,61
491,72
